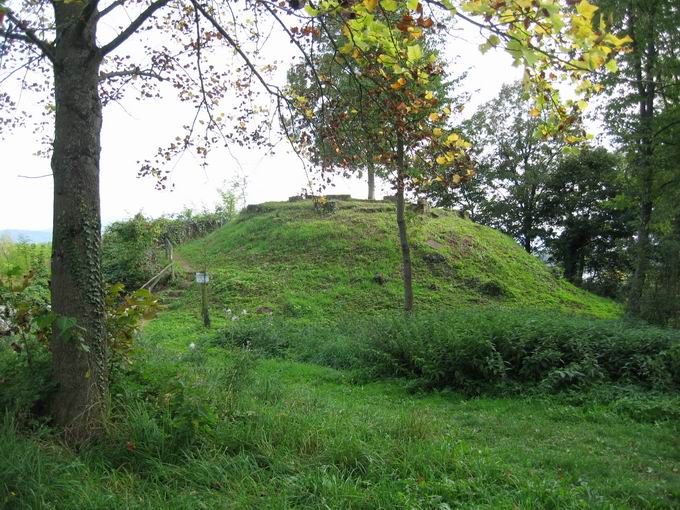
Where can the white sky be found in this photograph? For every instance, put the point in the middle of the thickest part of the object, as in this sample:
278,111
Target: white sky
134,130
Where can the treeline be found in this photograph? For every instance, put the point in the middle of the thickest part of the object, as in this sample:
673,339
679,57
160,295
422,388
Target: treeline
585,208
134,250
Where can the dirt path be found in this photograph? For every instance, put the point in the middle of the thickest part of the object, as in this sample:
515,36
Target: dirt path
183,263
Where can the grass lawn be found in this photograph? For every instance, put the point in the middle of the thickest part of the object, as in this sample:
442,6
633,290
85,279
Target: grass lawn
207,427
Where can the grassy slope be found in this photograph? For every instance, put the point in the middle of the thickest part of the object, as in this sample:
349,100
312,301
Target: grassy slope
303,264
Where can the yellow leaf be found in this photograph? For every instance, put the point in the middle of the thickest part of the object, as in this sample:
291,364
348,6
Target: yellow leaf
586,9
452,138
437,131
398,84
456,179
618,41
434,117
429,95
441,160
370,4
534,112
582,105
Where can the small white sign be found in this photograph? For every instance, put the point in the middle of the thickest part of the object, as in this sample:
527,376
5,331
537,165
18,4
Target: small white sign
202,278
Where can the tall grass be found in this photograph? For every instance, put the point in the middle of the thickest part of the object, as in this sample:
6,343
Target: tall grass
475,349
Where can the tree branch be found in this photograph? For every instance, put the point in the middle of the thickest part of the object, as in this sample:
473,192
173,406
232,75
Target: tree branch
86,14
109,8
269,88
46,48
34,176
14,37
132,27
130,72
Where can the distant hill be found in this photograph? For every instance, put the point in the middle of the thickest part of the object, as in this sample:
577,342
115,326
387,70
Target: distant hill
289,259
31,236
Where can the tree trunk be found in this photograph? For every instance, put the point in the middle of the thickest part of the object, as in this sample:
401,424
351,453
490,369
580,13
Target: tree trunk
371,182
528,221
79,364
570,265
645,56
642,254
403,237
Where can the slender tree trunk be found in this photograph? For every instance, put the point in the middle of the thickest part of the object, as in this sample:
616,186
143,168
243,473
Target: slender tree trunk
79,364
645,56
403,237
528,221
371,182
642,249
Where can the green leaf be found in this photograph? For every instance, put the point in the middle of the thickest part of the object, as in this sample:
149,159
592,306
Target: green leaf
412,4
611,66
414,53
311,10
530,56
46,320
389,5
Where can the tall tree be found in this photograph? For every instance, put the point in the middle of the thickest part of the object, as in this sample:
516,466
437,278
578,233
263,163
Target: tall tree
643,110
514,167
370,113
588,217
57,43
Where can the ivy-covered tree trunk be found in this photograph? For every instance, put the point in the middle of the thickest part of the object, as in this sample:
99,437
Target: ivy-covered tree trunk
401,224
79,353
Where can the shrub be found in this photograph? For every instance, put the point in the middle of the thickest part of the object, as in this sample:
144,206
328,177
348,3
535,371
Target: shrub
133,250
476,349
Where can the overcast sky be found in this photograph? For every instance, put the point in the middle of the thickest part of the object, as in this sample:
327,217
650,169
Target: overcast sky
132,132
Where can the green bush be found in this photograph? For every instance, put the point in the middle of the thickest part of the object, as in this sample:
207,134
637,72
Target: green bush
23,387
476,349
133,250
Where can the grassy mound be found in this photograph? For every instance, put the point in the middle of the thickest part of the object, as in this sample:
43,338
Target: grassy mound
289,259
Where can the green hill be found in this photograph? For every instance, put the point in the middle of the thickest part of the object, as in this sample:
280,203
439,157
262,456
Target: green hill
294,261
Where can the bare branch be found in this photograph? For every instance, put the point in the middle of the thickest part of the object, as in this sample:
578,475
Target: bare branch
14,37
132,27
34,176
46,48
130,72
109,8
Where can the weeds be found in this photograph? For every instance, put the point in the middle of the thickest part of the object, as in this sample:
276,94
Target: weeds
478,349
